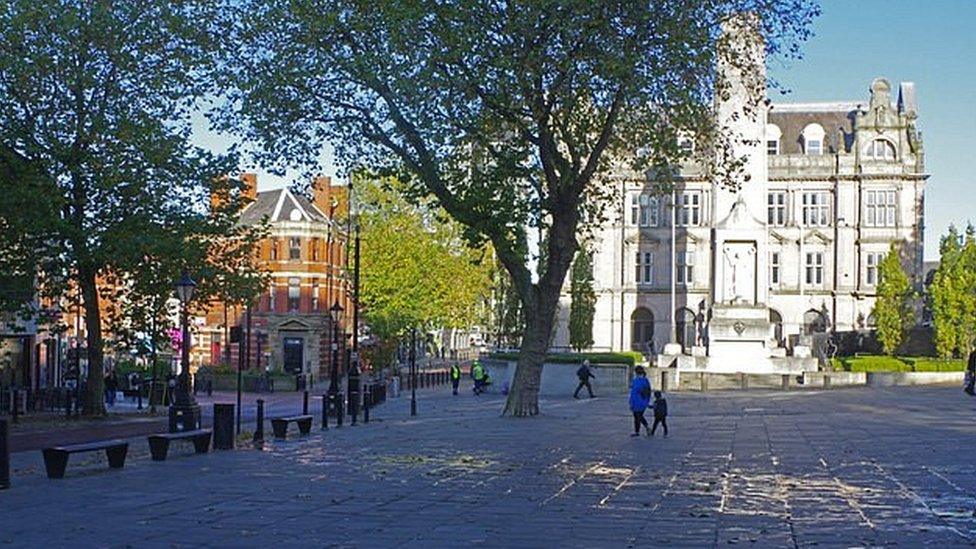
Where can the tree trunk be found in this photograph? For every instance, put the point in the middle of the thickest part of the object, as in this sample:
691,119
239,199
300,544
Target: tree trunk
523,397
95,392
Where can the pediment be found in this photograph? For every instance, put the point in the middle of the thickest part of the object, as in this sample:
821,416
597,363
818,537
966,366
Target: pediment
294,324
816,237
779,238
740,217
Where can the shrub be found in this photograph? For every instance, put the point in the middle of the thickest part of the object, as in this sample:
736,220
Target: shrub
629,358
938,365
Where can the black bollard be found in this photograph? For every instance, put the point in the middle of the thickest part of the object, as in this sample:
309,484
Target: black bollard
259,431
209,387
14,409
305,403
139,397
339,409
4,454
325,412
367,400
223,431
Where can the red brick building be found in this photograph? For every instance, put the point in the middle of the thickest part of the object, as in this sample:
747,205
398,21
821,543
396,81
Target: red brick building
306,253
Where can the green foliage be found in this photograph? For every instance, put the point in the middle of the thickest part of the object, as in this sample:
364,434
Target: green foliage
629,358
583,305
893,310
873,363
417,271
507,309
952,294
96,103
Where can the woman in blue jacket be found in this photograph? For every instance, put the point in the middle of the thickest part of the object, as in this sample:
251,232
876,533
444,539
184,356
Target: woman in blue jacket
640,399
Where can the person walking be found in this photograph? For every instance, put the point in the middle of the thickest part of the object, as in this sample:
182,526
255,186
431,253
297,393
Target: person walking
455,377
660,413
111,387
971,374
478,374
584,374
640,399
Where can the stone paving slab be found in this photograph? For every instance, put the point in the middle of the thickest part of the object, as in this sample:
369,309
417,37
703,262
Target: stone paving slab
851,468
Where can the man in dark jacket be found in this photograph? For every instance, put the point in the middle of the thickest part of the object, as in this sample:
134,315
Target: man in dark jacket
584,374
971,374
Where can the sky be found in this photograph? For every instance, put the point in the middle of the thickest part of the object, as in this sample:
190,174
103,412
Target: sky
929,42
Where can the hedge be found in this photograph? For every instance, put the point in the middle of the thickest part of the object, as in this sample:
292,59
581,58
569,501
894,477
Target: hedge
882,363
628,358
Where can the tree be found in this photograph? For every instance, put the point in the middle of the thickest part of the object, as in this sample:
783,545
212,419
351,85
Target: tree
952,294
417,270
893,310
97,98
583,305
512,114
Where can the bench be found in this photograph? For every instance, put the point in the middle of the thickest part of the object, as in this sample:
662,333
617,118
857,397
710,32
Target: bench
280,425
159,443
56,458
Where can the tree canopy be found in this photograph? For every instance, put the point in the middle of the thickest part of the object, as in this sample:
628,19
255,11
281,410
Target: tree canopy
952,294
583,305
894,310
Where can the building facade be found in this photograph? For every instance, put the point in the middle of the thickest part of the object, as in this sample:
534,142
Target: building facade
306,255
829,188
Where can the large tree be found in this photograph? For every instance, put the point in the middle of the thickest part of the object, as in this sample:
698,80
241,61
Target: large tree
97,97
894,312
511,113
952,294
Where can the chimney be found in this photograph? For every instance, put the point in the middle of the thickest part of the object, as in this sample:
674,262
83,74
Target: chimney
321,189
250,191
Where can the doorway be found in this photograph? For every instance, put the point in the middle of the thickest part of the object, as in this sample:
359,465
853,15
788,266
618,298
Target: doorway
293,354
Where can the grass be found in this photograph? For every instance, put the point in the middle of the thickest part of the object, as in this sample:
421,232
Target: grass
628,358
883,363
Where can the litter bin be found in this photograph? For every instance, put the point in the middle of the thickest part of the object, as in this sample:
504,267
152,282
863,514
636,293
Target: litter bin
223,432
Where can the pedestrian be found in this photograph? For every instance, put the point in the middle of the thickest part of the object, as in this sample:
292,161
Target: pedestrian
455,377
111,387
478,373
971,374
660,413
640,399
584,374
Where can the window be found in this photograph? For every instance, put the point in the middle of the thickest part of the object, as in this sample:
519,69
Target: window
315,296
645,211
773,134
813,139
880,149
772,147
644,268
685,267
274,249
315,249
689,209
634,208
813,147
816,209
271,297
294,248
776,209
294,294
871,262
814,268
775,269
879,208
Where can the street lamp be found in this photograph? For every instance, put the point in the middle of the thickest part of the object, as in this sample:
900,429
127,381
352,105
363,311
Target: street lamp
184,414
336,313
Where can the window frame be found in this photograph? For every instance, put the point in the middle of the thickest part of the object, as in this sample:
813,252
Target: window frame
872,263
810,150
813,208
813,270
772,147
689,208
775,269
684,268
773,208
294,302
885,209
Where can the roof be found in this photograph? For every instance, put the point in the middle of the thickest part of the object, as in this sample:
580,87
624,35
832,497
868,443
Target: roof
282,205
836,118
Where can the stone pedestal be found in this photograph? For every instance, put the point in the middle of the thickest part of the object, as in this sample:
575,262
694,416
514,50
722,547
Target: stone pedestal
737,336
672,349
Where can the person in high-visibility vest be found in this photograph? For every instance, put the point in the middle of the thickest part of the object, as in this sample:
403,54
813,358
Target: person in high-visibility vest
455,377
478,373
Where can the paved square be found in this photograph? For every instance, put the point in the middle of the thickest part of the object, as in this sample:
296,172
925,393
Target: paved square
857,467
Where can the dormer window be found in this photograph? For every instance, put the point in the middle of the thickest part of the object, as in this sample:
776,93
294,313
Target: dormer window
773,135
880,149
813,140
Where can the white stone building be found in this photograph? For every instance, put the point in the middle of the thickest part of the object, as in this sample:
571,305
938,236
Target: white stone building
793,252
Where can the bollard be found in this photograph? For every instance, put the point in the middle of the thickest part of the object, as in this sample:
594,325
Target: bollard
209,387
4,454
664,381
826,379
223,423
704,381
325,412
786,382
367,400
743,380
305,403
14,409
259,431
139,397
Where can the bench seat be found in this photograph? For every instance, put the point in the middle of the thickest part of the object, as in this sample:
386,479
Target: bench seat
280,425
56,458
159,443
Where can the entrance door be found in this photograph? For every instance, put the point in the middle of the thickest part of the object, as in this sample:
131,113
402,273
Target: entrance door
293,354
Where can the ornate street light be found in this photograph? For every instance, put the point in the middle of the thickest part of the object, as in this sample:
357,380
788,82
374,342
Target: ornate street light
184,414
336,314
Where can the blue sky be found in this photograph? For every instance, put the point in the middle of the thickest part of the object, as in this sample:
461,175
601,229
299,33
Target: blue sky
929,42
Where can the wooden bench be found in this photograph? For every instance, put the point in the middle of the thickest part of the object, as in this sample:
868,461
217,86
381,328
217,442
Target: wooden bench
159,443
56,458
280,425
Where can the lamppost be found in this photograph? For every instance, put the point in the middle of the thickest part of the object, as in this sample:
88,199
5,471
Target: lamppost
354,372
336,313
184,414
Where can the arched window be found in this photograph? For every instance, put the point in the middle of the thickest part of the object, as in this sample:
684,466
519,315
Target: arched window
685,329
880,149
776,320
813,140
642,331
814,322
871,322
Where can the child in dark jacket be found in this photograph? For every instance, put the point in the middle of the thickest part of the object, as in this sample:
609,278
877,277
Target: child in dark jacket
660,413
